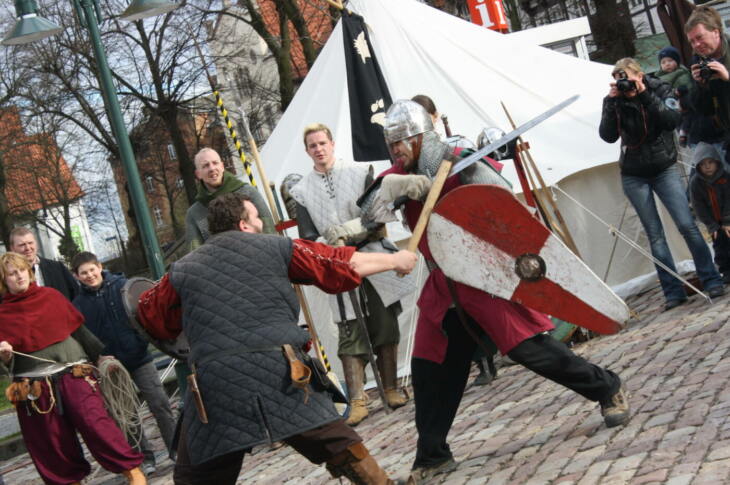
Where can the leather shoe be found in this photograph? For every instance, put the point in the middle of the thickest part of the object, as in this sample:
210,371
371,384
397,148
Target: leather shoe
716,292
674,303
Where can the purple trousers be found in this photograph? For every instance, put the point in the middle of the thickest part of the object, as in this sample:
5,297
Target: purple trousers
51,438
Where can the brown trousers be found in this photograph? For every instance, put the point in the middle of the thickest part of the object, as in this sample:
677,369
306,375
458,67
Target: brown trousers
317,445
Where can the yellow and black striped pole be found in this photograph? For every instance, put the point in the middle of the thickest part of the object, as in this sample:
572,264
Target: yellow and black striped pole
226,118
232,131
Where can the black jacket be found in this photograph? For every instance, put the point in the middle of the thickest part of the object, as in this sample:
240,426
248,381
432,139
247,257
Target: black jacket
713,97
57,276
645,125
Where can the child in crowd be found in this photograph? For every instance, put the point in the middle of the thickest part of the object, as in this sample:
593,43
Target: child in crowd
671,70
100,301
710,192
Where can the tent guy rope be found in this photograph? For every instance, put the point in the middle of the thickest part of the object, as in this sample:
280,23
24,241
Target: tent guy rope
616,233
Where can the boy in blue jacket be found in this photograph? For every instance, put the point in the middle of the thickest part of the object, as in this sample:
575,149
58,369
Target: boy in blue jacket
100,301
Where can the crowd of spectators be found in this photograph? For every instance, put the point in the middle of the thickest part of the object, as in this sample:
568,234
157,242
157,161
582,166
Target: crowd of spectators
650,113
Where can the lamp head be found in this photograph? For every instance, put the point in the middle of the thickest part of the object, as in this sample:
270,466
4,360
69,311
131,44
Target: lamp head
141,9
29,27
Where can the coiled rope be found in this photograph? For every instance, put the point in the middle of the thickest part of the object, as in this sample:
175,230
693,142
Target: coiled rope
120,398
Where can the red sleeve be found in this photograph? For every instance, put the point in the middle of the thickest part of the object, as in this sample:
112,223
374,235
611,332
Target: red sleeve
159,310
326,267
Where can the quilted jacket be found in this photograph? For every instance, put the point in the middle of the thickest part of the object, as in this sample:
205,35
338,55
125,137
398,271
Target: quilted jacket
238,308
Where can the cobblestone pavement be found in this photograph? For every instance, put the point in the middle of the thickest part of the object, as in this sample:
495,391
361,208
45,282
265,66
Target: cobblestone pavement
523,429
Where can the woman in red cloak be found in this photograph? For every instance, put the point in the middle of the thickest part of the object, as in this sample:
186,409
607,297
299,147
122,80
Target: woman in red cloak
42,336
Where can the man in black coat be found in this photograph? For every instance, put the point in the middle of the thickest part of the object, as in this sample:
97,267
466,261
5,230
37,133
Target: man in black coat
47,272
711,65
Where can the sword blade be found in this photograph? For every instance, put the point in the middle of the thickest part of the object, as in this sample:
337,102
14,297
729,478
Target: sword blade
461,165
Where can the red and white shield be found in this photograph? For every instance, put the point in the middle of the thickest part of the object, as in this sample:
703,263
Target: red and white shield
482,236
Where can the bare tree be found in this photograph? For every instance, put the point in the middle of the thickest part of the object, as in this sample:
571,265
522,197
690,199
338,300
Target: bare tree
15,75
293,31
44,189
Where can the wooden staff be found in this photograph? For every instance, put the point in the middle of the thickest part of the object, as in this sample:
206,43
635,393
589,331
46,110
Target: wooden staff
438,184
337,4
560,225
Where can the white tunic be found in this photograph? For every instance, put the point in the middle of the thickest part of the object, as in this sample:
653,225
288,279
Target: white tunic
330,198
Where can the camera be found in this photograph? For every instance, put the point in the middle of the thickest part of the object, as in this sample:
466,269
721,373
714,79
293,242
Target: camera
623,83
706,71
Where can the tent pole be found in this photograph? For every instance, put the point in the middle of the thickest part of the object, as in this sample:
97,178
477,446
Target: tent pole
540,196
531,185
522,175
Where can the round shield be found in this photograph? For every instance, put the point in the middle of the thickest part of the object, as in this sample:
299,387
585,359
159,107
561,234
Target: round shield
133,288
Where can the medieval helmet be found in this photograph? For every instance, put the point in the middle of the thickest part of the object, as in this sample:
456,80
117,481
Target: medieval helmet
404,119
458,141
491,134
285,188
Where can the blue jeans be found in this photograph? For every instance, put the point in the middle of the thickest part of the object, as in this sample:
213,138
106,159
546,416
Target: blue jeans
669,188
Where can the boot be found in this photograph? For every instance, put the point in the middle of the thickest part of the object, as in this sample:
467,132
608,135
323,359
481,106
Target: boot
616,411
485,377
354,368
135,476
388,368
357,465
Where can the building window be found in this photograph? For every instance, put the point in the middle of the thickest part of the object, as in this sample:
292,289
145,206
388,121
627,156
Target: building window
171,151
158,216
149,183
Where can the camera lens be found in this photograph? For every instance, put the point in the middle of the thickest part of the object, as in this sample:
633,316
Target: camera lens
624,85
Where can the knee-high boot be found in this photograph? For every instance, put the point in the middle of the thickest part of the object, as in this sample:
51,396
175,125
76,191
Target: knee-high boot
357,464
388,368
354,368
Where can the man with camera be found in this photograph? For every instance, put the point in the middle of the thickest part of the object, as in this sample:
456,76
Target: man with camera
641,111
711,65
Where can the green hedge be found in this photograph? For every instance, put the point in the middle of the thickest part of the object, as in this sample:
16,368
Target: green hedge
4,381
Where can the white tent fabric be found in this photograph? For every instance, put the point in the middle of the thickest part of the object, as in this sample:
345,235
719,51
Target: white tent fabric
468,70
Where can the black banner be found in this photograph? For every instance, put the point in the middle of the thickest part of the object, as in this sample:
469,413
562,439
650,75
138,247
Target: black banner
368,92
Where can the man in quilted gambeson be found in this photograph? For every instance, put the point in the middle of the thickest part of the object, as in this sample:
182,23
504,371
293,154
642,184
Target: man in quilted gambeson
326,206
238,310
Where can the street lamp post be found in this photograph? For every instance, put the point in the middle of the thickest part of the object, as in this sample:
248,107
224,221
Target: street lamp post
30,27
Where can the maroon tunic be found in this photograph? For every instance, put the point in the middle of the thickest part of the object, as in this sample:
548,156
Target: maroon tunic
507,323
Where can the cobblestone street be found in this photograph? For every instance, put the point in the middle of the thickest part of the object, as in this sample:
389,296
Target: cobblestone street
523,429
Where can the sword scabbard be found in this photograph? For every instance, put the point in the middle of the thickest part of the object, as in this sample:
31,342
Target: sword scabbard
197,397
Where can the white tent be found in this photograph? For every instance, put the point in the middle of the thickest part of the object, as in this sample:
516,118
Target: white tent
468,70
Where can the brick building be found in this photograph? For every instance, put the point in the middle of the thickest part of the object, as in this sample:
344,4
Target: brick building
39,188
